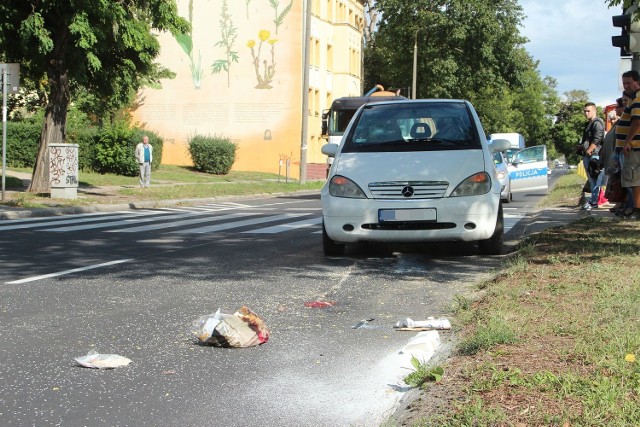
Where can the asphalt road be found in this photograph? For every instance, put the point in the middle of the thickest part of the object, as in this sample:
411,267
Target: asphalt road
132,284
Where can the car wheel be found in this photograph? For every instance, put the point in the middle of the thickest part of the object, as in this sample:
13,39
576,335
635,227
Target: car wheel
493,245
330,247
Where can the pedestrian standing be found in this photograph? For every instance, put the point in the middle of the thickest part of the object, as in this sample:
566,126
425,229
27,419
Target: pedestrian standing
144,157
630,136
591,142
609,157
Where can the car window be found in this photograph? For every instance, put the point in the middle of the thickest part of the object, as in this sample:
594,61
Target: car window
531,154
412,127
497,158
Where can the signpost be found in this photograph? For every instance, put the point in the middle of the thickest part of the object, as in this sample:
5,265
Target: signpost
10,84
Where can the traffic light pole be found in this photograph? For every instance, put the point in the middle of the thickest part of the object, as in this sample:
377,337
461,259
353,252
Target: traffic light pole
635,62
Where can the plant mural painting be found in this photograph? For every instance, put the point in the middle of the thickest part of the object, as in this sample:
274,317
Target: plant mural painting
186,43
263,69
279,17
229,35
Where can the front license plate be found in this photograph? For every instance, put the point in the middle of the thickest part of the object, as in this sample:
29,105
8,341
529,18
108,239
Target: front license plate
389,215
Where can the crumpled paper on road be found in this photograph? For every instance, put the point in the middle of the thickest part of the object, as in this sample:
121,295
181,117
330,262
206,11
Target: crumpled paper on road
102,361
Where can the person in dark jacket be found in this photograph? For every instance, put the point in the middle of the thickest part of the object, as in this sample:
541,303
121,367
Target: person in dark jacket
592,138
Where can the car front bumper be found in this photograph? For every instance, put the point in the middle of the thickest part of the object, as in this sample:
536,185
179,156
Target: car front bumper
456,219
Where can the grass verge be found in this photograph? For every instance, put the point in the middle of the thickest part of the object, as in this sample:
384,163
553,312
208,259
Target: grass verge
554,339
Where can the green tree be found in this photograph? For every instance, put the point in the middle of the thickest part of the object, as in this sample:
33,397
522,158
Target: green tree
105,47
469,49
570,123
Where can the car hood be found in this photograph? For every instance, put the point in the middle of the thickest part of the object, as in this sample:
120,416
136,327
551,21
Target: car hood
452,166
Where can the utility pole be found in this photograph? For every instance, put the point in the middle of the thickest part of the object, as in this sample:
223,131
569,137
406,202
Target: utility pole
305,94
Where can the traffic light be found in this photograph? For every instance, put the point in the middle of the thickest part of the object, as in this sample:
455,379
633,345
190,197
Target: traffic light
629,39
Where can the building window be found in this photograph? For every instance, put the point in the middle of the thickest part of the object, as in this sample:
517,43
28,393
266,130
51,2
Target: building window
329,57
317,53
330,10
310,101
316,102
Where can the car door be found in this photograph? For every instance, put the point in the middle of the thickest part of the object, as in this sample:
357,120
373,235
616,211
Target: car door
528,169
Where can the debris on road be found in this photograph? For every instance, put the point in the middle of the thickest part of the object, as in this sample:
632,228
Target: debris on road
423,346
362,324
244,328
319,304
423,325
102,361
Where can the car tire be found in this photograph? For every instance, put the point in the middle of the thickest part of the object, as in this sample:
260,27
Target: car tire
493,245
330,247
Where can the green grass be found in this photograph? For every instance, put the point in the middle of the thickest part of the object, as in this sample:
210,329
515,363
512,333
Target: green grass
553,339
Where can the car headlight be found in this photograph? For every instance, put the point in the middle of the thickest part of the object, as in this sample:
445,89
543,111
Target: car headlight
475,185
339,186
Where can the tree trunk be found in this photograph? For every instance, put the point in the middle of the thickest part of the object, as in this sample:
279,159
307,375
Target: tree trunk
55,118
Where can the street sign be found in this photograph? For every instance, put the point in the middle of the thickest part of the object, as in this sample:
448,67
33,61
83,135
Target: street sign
13,76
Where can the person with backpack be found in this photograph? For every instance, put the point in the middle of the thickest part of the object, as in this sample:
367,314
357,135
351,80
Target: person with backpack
591,142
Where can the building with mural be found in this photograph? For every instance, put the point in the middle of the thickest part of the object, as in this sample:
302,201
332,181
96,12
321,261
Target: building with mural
240,74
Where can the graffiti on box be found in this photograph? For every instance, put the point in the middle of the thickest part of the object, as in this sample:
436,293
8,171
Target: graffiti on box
63,166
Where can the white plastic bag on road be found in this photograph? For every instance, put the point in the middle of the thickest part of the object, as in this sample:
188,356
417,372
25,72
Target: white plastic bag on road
430,323
102,361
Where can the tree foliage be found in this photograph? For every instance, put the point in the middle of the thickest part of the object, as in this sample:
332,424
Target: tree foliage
469,49
105,47
570,124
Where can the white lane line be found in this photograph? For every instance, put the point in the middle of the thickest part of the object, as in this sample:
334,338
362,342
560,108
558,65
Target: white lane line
236,224
55,223
174,224
58,218
65,220
62,273
168,216
510,220
286,227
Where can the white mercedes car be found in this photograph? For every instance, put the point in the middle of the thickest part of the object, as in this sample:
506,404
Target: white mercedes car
413,171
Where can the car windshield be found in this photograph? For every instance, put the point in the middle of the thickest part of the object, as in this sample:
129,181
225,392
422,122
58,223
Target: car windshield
413,126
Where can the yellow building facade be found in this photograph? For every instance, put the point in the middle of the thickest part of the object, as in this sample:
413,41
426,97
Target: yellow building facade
240,74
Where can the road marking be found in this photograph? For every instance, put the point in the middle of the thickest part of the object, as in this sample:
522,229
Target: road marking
62,273
174,224
131,221
236,224
62,217
64,220
286,227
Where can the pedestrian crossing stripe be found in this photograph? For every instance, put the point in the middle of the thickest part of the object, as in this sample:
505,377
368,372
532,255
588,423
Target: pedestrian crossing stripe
237,224
286,227
188,219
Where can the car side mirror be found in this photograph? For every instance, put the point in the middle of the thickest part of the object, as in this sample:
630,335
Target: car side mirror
329,150
501,145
